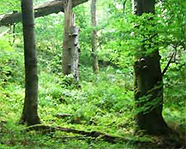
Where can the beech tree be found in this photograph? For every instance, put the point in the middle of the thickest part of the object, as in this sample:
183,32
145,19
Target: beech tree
148,77
29,115
94,37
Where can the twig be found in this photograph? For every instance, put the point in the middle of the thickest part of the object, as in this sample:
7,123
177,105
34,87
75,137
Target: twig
167,66
3,33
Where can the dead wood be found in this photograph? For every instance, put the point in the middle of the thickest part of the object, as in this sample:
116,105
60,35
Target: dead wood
157,142
94,134
40,11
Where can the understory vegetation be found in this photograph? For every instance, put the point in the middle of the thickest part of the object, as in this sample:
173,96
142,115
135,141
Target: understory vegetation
102,102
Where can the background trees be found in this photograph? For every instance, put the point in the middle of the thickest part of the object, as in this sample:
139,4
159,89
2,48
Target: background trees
94,37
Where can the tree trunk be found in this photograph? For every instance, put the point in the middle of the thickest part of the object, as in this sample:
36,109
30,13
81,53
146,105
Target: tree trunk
70,59
29,115
66,59
148,81
40,11
74,50
94,37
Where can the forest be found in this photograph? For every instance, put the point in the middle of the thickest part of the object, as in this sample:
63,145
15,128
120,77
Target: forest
92,74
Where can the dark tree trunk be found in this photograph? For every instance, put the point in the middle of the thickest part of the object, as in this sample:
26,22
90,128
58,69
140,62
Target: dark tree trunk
148,81
94,37
29,115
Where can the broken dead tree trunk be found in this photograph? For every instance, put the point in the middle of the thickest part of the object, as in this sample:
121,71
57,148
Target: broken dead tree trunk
70,59
74,48
40,11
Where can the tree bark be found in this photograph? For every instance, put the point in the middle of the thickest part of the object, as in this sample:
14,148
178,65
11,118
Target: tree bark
148,81
94,37
66,61
40,11
29,115
74,50
70,59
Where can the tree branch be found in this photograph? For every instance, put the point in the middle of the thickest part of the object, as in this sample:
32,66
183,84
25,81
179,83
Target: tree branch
167,66
40,11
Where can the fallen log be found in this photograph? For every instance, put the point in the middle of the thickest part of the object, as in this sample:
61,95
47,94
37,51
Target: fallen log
40,11
95,135
167,141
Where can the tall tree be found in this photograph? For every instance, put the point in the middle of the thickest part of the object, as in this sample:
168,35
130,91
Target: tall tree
94,37
29,115
148,77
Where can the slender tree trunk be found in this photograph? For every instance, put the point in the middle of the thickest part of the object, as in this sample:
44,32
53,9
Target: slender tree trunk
94,37
29,115
148,81
70,59
66,61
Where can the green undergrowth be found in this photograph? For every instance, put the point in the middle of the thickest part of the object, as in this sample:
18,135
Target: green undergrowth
102,102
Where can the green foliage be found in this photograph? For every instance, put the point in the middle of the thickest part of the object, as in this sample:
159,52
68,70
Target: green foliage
8,6
172,20
104,101
9,58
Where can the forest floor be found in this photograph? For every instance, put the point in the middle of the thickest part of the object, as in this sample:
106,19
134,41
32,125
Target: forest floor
103,103
100,107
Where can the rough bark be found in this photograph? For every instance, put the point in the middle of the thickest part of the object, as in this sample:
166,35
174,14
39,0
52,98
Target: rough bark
70,59
40,11
29,115
74,50
148,82
144,6
94,37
